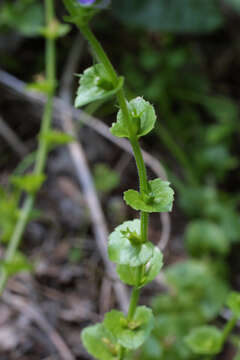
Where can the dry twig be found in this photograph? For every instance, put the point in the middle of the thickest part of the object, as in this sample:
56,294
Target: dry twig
12,139
32,312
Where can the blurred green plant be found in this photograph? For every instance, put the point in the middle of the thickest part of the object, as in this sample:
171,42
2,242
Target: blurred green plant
196,294
105,178
25,16
185,16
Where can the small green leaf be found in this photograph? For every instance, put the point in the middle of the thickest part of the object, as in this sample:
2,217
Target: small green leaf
95,84
236,6
19,264
159,198
110,176
142,115
25,16
42,86
55,30
205,237
9,214
130,334
57,138
100,343
125,245
29,183
130,275
205,340
233,302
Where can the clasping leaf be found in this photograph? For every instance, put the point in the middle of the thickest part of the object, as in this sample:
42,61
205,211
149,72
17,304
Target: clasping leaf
130,334
130,275
159,198
142,116
124,250
95,84
205,340
100,343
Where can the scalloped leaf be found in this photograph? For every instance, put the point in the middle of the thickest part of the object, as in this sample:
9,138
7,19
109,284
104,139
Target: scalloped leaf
233,302
159,198
125,246
100,343
95,84
130,275
130,334
205,340
30,183
143,118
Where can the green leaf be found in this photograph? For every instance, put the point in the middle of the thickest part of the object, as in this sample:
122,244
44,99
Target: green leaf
130,334
204,237
26,16
125,245
185,16
55,30
196,282
95,84
57,138
19,264
42,86
205,340
233,302
236,5
29,183
105,178
142,116
222,108
159,198
8,214
100,343
130,275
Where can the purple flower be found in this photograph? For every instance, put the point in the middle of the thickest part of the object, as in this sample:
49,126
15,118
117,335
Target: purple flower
101,4
86,2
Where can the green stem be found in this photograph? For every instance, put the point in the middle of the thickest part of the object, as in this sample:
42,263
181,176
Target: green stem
42,148
133,303
228,328
226,331
142,173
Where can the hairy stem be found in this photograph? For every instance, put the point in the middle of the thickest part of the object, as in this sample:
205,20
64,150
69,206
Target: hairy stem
133,303
142,173
42,147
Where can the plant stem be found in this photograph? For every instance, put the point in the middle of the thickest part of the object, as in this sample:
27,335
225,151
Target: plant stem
228,328
142,173
226,331
133,303
42,148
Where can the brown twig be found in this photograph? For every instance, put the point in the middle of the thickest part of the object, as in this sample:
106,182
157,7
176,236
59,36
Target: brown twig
12,139
41,321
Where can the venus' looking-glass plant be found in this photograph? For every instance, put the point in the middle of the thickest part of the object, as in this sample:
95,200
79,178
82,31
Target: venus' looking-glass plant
138,260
